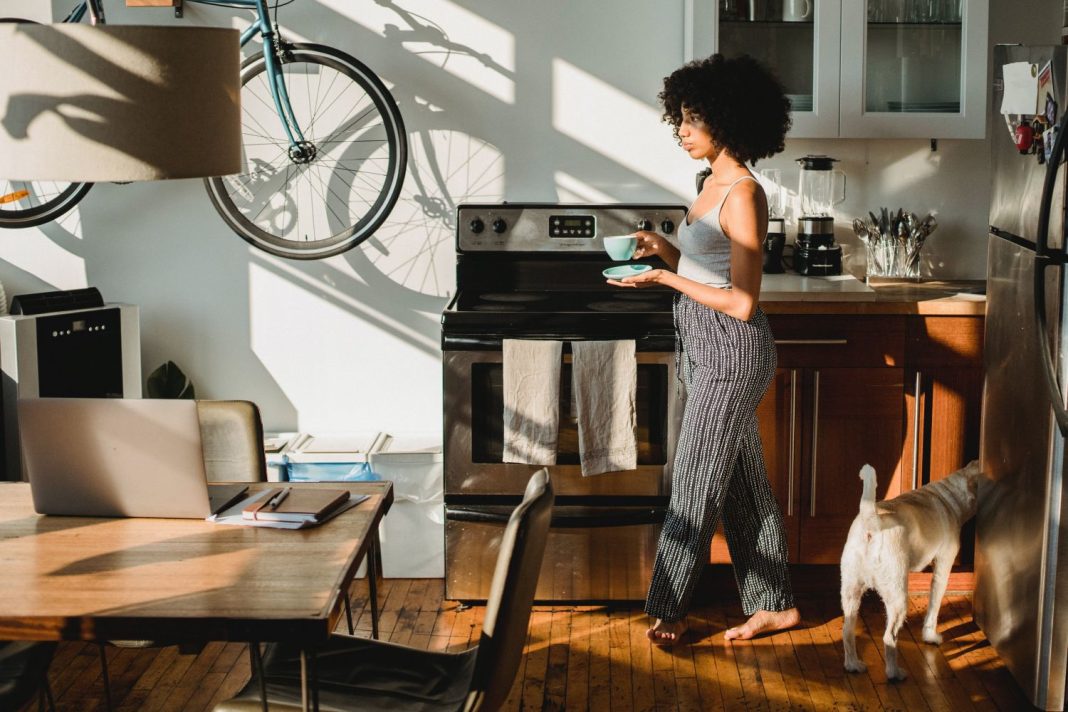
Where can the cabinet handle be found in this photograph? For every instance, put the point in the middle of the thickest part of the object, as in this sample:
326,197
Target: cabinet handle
815,439
793,439
917,392
811,342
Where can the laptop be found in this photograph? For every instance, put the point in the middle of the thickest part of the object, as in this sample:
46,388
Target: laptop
118,457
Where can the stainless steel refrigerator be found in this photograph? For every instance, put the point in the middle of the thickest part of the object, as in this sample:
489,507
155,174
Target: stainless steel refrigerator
1021,561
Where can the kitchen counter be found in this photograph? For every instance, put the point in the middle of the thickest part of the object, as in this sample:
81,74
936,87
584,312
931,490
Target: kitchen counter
845,294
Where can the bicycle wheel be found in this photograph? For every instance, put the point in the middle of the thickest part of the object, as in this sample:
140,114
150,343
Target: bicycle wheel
29,203
349,174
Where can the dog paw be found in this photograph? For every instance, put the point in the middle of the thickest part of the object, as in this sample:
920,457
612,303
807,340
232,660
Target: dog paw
895,675
855,666
932,636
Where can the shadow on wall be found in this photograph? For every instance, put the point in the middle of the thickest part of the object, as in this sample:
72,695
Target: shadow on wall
481,129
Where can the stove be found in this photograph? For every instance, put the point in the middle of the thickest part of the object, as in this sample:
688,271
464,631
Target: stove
533,271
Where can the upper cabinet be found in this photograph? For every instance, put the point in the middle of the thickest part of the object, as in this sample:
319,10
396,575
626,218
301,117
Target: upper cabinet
862,68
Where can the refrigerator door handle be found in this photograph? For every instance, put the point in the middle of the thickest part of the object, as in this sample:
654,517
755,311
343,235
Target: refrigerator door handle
1044,259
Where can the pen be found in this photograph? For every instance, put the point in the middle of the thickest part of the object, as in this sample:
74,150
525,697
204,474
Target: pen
278,498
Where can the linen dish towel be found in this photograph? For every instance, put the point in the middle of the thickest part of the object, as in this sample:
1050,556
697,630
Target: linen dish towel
531,381
604,379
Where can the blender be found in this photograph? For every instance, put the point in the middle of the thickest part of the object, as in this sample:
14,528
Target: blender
775,239
820,188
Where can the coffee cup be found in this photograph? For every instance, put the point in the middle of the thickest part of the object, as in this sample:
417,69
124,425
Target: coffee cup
796,10
620,247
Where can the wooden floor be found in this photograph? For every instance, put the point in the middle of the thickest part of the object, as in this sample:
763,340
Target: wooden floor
596,658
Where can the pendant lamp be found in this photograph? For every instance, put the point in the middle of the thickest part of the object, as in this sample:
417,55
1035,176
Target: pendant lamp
86,103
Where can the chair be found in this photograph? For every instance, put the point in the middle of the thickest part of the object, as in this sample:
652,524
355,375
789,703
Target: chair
363,674
231,434
24,674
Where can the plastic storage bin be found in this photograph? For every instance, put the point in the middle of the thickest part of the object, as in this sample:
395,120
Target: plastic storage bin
276,449
332,458
413,531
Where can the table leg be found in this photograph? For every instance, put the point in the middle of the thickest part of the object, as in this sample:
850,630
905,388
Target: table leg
372,581
256,663
348,609
104,674
309,680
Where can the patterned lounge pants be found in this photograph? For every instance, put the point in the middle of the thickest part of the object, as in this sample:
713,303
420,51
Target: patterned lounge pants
719,467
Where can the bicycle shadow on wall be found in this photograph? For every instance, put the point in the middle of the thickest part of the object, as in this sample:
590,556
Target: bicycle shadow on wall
462,126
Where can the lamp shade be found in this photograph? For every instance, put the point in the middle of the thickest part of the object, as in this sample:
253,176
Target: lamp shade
118,102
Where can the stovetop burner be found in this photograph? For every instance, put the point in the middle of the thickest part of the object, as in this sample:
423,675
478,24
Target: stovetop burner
497,307
622,306
513,297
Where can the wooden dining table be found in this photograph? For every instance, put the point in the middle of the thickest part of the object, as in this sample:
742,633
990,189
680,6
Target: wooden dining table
183,580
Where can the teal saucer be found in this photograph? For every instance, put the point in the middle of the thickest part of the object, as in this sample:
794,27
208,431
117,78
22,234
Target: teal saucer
625,271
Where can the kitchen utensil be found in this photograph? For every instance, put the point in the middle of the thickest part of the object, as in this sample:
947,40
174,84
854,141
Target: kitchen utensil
621,271
894,240
620,247
820,186
796,10
771,180
774,243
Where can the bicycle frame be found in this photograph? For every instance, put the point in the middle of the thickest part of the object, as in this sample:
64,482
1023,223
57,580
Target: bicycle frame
271,55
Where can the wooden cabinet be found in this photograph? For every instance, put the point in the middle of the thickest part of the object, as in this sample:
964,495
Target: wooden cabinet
859,68
899,392
834,406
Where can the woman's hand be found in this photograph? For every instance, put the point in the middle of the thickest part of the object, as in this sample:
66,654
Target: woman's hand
649,244
643,280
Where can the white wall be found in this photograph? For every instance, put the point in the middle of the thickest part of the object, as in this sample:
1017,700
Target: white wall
550,100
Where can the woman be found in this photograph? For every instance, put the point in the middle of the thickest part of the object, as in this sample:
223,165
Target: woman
728,112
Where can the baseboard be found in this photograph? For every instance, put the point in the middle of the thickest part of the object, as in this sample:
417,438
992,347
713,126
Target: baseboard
818,580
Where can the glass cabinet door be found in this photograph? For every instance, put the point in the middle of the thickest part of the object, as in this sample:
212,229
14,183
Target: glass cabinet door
797,39
914,68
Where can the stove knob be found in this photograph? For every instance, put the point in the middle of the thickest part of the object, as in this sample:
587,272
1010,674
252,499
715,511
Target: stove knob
667,227
499,225
477,225
644,224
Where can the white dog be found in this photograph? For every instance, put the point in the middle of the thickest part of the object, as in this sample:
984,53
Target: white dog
890,538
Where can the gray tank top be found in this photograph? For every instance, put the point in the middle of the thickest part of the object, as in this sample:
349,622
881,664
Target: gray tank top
705,250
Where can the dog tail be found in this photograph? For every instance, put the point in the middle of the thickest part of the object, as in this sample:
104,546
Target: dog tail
867,498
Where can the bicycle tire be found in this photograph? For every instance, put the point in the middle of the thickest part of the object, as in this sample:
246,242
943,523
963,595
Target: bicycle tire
54,207
60,201
344,232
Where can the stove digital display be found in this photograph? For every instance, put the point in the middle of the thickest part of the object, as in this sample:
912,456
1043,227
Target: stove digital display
572,226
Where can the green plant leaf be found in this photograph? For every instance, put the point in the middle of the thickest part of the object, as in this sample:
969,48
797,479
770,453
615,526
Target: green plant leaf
168,381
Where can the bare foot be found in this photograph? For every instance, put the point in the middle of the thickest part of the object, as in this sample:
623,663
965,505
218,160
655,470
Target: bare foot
764,622
666,632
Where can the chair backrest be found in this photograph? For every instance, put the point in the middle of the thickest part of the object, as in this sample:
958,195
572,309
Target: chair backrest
232,435
504,630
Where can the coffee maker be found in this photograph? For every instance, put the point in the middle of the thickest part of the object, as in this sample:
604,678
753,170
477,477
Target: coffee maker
815,251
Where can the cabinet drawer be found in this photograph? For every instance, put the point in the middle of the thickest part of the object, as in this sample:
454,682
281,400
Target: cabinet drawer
848,341
945,341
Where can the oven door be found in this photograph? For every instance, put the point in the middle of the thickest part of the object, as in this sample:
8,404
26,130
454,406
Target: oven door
474,431
592,554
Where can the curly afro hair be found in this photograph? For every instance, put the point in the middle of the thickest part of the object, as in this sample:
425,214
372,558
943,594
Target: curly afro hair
739,100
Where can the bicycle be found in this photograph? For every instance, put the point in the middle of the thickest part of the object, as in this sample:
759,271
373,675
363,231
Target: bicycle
284,204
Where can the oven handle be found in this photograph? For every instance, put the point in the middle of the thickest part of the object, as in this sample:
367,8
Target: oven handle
469,342
562,519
